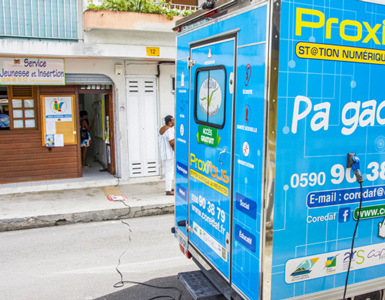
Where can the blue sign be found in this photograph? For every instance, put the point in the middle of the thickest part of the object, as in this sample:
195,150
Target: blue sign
181,169
344,214
249,207
181,192
345,196
244,237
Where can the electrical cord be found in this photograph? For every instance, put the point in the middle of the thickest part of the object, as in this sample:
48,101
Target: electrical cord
122,282
118,181
351,249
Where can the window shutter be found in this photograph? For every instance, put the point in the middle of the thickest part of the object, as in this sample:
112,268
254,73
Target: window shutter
22,91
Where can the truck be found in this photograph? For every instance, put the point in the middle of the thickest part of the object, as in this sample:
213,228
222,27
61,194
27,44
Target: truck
280,147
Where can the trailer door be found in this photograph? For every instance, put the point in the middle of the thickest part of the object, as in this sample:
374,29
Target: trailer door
210,167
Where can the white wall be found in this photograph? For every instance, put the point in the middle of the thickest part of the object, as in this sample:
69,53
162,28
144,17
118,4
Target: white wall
76,50
166,97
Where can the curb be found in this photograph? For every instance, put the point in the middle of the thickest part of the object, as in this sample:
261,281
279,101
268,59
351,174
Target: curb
84,217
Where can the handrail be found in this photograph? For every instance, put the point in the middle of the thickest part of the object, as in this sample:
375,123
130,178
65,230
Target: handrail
180,7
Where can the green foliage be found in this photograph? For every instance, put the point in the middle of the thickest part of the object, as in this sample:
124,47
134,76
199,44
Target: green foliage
141,6
113,5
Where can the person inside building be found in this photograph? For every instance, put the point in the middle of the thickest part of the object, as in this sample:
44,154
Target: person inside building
166,150
85,137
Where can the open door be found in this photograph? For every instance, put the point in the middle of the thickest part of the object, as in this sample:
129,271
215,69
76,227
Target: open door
99,105
109,134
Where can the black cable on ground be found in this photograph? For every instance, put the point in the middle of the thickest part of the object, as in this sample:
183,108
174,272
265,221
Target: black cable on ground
118,181
125,215
351,249
121,283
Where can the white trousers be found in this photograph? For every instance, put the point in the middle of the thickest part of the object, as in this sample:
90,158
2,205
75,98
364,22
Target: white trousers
168,165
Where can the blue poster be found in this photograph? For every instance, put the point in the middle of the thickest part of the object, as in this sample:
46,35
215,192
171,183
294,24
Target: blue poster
330,103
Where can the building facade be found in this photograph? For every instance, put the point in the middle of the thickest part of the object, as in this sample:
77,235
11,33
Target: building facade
58,59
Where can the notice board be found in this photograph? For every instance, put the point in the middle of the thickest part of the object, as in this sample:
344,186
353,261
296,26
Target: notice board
58,120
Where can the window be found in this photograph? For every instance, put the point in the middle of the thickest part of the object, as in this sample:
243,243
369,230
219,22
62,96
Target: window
17,108
210,96
23,113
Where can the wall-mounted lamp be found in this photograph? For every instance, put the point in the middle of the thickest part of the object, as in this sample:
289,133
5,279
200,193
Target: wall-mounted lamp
118,69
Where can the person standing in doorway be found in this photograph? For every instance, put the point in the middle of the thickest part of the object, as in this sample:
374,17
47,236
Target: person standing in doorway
85,137
166,149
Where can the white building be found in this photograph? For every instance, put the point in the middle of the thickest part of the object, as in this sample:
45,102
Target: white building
118,66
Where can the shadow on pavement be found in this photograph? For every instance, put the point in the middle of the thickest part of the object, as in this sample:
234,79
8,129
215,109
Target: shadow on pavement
169,287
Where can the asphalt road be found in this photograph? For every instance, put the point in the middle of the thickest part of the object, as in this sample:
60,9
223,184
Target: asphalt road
79,261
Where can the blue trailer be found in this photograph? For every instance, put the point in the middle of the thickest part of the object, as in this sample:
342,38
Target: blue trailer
277,103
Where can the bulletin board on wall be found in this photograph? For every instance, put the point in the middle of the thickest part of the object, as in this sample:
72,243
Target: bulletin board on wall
58,120
99,130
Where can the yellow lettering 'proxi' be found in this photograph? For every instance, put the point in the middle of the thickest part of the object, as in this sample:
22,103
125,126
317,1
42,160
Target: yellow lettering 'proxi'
300,23
348,30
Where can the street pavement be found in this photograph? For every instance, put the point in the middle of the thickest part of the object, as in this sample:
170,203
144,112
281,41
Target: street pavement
68,206
79,261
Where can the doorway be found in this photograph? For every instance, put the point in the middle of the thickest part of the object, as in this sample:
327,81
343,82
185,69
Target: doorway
101,153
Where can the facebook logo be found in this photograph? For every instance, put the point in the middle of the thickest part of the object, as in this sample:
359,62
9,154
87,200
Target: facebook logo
344,214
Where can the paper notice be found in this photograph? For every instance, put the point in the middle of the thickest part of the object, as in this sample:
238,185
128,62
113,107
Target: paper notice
50,127
59,140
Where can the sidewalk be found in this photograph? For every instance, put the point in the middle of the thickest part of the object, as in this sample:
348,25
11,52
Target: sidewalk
50,208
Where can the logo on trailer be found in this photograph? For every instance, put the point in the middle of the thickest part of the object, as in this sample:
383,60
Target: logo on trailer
246,113
304,267
209,55
246,149
358,258
181,129
344,214
182,80
208,136
182,105
248,74
208,168
210,97
331,264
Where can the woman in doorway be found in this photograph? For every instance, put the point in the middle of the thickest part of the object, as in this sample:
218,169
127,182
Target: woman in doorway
85,137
